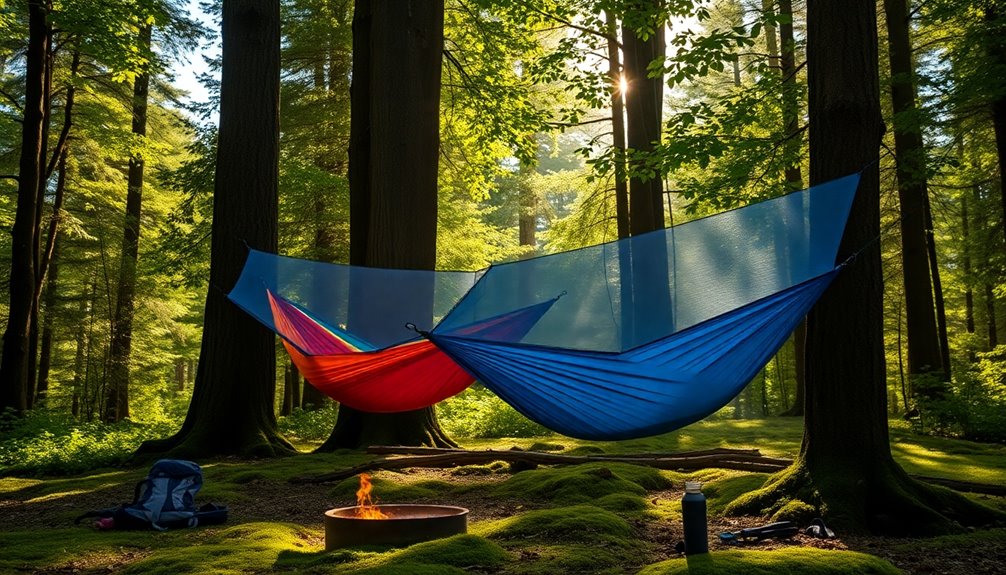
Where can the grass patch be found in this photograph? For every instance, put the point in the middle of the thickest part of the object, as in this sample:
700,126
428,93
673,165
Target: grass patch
581,483
576,523
806,561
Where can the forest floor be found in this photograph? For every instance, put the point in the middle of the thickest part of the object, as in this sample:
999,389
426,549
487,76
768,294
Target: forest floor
575,519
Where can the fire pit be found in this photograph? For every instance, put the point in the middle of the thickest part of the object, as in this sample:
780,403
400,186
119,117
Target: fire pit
369,524
401,524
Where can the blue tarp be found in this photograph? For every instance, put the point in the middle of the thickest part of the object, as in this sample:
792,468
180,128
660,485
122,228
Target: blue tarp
651,333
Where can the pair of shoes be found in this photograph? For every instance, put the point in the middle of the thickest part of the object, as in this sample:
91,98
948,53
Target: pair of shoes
777,530
819,530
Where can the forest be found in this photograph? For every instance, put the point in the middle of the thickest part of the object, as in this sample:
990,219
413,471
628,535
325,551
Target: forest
148,147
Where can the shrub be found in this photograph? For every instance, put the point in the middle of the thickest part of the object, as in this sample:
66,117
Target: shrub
478,413
44,442
310,426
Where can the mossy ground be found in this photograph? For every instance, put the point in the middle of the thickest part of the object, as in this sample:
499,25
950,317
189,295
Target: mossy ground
596,518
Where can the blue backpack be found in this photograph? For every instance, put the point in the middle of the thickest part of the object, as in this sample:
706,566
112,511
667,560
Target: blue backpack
164,500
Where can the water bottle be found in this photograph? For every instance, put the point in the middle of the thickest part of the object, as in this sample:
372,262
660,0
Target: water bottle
693,514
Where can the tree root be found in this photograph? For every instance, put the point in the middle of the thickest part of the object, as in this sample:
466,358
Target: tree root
888,502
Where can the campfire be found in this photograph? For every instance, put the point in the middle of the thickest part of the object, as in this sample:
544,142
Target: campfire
368,523
365,508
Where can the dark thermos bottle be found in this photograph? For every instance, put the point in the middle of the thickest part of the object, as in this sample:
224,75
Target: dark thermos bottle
693,514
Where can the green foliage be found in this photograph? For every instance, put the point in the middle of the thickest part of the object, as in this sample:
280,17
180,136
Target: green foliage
48,443
477,412
802,560
308,426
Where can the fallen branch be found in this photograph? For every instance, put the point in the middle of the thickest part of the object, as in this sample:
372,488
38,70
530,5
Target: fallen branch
723,458
738,461
406,450
967,486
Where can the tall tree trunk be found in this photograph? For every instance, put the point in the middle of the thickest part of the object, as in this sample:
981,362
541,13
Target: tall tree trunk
845,465
792,173
617,126
996,25
117,400
312,399
79,372
527,218
50,253
179,374
286,407
295,385
990,314
941,308
790,99
14,363
232,408
51,291
925,361
643,105
394,146
43,185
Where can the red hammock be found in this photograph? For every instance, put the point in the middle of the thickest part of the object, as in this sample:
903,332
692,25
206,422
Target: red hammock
404,377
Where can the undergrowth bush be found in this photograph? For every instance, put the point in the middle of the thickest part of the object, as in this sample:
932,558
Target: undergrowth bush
478,413
45,442
975,407
308,426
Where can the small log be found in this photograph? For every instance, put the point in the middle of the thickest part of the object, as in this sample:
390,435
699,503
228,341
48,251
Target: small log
741,462
966,486
407,450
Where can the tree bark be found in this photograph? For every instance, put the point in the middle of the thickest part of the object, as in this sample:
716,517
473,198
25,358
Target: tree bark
117,399
232,403
14,363
925,360
79,369
36,250
286,407
845,467
941,308
296,385
617,127
997,54
643,106
790,99
52,285
527,218
969,292
394,146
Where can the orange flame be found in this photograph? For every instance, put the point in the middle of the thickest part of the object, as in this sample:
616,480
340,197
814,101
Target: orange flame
365,508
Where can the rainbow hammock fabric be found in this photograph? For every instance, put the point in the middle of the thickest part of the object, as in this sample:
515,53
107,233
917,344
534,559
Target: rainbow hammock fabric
625,339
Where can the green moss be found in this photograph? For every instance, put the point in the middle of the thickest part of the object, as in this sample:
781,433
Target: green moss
251,547
546,446
488,469
584,523
722,487
581,483
806,561
622,503
796,511
977,539
586,450
459,551
458,554
399,491
577,558
60,549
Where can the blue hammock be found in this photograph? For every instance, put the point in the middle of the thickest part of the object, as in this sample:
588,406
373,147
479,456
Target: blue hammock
652,333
